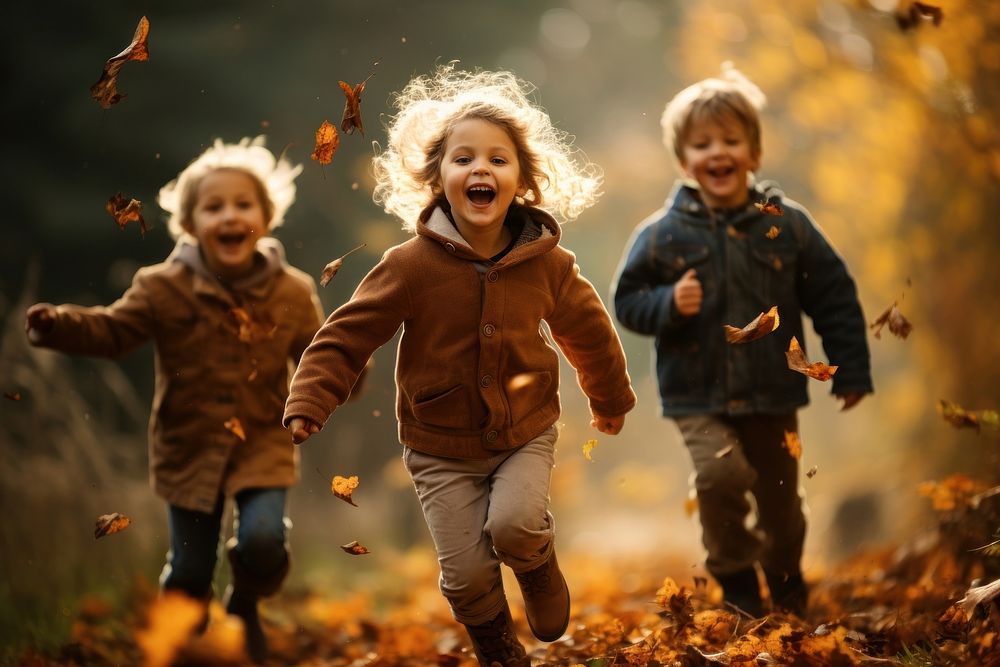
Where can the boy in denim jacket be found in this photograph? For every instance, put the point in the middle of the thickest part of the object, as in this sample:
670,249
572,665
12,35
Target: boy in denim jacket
712,258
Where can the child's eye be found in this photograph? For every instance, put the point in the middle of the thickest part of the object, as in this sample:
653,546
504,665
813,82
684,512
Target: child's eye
212,207
463,159
498,161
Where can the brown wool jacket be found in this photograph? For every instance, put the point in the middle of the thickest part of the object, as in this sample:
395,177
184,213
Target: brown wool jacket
209,369
475,371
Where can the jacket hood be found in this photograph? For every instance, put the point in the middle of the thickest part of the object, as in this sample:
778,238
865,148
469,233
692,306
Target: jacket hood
539,233
268,260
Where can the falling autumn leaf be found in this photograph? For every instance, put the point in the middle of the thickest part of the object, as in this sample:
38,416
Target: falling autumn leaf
126,211
12,395
793,444
724,452
898,325
959,417
812,472
234,426
917,12
769,208
105,91
327,141
355,548
772,233
253,330
343,487
110,523
352,105
331,269
588,447
759,327
797,362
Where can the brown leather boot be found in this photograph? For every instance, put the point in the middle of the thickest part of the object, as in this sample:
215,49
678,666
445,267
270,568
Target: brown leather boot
546,599
495,642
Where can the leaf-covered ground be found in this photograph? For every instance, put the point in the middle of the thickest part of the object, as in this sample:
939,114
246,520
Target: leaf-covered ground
892,606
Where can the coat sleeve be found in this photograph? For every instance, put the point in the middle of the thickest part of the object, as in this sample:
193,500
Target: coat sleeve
103,331
584,332
643,303
338,354
829,297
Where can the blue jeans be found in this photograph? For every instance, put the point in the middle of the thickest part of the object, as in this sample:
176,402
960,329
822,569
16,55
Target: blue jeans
259,553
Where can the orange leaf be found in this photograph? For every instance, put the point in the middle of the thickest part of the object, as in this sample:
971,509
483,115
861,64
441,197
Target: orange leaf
327,141
172,618
959,417
761,325
12,395
793,444
110,523
343,487
355,548
125,212
797,362
352,105
772,233
234,426
769,208
588,447
253,330
105,91
898,325
331,269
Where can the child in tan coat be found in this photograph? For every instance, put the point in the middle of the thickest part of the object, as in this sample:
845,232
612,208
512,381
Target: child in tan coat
469,166
227,315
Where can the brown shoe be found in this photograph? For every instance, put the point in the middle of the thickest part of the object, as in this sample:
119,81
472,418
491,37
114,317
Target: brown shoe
496,644
546,600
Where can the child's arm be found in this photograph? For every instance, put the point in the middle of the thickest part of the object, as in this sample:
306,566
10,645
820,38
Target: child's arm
643,303
100,331
829,297
583,330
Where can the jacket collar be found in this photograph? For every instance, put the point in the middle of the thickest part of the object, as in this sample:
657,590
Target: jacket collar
686,200
269,260
539,233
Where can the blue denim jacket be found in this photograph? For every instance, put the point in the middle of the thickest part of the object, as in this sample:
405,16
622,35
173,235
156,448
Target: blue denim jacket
743,272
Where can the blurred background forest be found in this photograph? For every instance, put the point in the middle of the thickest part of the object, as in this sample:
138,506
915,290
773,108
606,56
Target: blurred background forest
888,136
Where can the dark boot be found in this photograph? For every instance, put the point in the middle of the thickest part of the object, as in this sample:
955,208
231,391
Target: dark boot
546,600
244,607
742,590
789,592
495,642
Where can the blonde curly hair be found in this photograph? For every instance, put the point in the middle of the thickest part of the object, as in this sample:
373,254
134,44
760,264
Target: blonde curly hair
408,172
730,95
274,177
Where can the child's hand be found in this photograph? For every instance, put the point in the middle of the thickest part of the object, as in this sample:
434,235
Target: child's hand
609,425
687,294
41,317
301,429
850,399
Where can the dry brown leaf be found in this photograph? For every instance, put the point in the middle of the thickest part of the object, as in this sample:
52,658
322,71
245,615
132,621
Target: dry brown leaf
234,426
797,362
793,444
588,447
772,233
12,395
769,208
343,487
110,523
126,211
812,472
105,91
759,327
355,548
917,12
898,325
959,417
331,269
352,106
327,141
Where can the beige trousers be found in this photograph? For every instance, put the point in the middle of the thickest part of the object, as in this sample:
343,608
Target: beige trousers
757,469
484,512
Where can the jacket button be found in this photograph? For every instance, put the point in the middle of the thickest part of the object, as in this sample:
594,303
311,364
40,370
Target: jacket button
450,247
489,330
486,381
492,436
493,276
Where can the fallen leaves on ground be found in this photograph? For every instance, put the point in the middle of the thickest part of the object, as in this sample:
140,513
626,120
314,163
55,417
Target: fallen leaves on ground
110,523
343,487
331,269
327,141
105,91
759,327
234,426
588,447
798,362
355,548
171,619
125,211
898,325
959,417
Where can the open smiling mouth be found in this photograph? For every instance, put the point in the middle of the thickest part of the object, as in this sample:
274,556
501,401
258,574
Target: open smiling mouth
721,172
481,195
232,239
